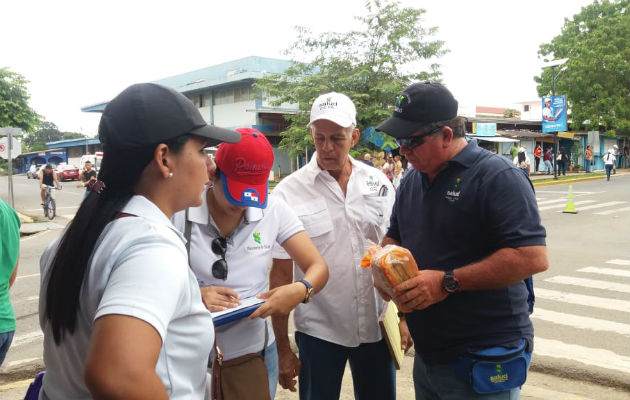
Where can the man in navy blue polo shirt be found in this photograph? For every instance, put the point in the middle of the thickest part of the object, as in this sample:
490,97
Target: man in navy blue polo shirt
471,221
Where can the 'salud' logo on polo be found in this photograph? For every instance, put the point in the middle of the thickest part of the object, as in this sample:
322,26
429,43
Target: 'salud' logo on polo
501,375
402,101
259,246
453,194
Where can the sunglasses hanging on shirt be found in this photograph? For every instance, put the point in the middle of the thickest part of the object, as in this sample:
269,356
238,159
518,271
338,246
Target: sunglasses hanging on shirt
219,267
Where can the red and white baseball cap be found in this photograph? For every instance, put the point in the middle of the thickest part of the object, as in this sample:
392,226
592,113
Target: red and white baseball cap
245,168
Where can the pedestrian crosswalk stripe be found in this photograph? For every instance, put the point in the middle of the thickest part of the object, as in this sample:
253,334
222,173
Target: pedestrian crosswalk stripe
618,262
577,203
608,212
542,203
590,283
583,300
606,271
610,203
580,322
591,356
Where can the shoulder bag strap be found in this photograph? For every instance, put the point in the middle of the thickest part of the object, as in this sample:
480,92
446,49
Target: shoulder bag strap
187,229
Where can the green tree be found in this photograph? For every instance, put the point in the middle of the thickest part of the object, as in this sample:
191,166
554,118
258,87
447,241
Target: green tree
371,66
14,97
596,78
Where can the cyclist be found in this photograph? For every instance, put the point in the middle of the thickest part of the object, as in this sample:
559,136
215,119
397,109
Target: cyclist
47,177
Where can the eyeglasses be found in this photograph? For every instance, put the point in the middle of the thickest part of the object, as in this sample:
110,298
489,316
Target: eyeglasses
415,141
219,267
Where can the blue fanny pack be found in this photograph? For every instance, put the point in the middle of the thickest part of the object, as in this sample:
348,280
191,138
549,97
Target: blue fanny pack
496,369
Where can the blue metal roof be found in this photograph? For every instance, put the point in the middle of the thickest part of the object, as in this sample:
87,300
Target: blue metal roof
72,143
244,69
248,68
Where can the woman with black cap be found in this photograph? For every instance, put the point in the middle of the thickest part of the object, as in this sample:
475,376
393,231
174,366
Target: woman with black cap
120,309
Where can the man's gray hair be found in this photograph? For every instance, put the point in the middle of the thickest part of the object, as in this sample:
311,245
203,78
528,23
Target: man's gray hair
457,125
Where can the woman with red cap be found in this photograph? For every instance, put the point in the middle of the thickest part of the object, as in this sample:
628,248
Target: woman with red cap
231,237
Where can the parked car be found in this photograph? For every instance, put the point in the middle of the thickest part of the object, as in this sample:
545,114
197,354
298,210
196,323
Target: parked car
67,172
33,171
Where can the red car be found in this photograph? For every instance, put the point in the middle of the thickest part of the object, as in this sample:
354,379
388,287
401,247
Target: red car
67,172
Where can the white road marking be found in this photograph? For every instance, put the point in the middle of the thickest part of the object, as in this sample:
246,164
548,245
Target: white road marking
27,338
584,300
587,355
608,212
58,208
606,271
610,203
25,299
580,322
577,203
27,276
590,283
542,203
618,262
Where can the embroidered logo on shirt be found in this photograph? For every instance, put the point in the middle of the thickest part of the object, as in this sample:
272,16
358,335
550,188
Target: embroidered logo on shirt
453,195
256,237
259,246
372,184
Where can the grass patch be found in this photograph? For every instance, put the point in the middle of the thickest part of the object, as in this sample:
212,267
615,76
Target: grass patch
569,177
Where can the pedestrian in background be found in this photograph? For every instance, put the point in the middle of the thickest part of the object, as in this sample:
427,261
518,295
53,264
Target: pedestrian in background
588,154
563,159
522,161
513,151
471,221
120,309
537,155
87,177
9,251
344,205
609,163
367,159
548,158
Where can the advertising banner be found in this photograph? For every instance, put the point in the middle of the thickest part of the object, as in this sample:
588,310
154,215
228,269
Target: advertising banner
554,113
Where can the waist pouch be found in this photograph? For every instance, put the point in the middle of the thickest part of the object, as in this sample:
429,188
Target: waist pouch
495,369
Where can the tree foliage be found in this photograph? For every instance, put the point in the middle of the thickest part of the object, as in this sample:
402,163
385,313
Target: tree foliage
14,109
596,78
47,132
371,66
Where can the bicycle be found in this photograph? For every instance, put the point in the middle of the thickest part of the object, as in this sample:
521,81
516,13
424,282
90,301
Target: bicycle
50,205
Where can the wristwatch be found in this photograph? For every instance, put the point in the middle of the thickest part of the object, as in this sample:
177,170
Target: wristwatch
450,284
309,291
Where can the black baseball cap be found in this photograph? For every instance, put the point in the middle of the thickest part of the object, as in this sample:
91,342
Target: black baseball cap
418,105
148,113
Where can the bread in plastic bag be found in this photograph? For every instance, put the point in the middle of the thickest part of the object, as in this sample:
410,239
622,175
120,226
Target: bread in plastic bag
391,265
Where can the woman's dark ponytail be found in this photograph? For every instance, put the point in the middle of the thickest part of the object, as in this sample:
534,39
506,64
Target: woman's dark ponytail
120,172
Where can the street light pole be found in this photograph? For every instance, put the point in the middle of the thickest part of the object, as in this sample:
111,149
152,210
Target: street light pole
555,134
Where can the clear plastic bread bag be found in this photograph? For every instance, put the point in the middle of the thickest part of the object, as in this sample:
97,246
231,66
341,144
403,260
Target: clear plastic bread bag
391,265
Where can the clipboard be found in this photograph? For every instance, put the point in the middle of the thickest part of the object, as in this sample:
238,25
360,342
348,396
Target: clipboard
247,307
388,321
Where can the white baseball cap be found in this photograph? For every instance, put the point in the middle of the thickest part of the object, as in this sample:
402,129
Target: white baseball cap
335,107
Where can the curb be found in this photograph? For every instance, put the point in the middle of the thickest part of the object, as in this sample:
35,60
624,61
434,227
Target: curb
598,376
577,179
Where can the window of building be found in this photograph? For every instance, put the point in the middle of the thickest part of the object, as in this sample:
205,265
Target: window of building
243,93
526,108
225,96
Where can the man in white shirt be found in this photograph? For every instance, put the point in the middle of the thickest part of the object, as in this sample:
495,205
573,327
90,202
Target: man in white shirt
344,205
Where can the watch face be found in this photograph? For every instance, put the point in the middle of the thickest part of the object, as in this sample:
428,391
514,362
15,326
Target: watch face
450,283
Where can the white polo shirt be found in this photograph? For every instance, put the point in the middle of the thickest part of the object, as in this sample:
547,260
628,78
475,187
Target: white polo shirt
346,311
139,268
248,257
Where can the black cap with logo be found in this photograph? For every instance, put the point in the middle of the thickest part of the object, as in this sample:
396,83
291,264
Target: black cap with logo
147,113
418,105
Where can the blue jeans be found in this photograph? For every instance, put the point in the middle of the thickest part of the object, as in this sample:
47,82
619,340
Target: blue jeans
439,382
271,362
548,167
589,167
5,342
609,167
323,365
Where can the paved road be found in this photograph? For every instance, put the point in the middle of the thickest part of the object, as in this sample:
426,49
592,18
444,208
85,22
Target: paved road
581,314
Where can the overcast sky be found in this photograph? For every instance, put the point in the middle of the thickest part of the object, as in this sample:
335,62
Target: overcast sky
77,53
